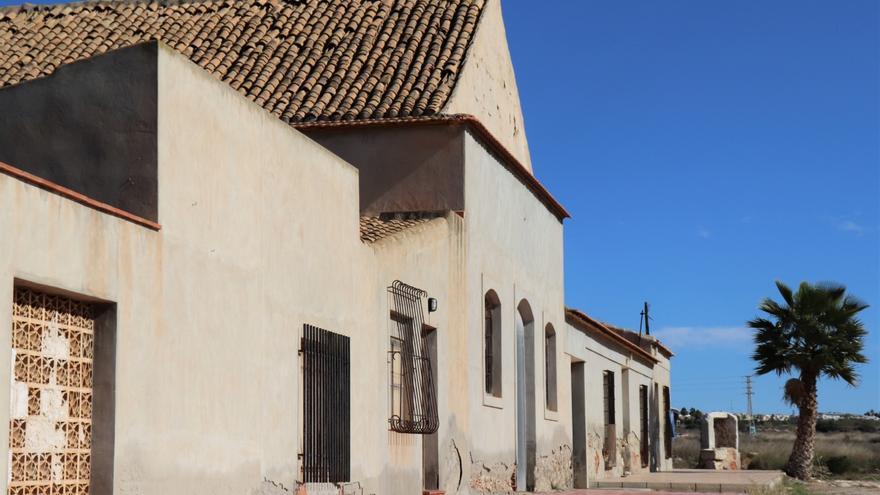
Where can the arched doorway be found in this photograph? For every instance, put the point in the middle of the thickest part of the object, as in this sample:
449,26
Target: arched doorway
525,397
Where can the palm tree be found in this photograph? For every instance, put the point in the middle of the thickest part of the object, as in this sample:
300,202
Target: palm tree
814,333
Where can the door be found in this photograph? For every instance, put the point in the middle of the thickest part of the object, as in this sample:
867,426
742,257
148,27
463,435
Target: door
430,446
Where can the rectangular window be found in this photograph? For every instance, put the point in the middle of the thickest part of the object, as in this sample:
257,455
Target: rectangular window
413,395
61,347
326,412
643,424
667,438
608,396
609,450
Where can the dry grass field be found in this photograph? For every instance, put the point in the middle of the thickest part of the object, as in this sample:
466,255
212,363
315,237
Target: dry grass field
839,455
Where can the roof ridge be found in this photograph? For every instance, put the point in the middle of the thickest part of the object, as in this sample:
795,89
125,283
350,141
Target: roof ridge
82,4
589,320
483,133
301,60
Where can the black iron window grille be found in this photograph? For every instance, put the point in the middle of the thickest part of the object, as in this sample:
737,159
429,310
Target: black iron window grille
609,449
413,394
643,422
667,437
326,414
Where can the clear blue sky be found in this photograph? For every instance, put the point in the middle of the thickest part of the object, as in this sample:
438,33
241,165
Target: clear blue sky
705,149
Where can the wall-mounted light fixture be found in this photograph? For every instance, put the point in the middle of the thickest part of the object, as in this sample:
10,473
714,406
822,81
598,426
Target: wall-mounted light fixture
432,304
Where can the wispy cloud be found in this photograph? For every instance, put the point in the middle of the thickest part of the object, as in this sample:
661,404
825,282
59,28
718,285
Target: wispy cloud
850,226
679,337
846,224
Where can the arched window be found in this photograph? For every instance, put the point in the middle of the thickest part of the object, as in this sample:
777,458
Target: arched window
492,343
550,367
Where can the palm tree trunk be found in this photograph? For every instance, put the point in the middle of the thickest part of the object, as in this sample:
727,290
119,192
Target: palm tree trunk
800,464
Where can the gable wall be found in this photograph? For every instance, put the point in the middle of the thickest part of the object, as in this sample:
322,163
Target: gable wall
486,87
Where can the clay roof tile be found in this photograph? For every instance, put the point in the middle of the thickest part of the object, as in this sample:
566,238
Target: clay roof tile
321,59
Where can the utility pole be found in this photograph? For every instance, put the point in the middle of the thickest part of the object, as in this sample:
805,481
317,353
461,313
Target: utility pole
751,418
647,319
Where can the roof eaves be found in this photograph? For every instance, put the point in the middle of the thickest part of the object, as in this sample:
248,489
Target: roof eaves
510,162
76,197
589,324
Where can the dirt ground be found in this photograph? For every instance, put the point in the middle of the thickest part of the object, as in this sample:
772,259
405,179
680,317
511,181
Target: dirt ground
843,487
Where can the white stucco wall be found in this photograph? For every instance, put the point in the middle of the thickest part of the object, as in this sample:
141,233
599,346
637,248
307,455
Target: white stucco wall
514,247
598,355
420,256
487,87
259,235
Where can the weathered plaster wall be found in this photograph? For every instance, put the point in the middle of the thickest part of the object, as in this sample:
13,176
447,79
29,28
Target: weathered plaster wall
402,168
260,235
91,127
514,246
428,257
599,355
486,87
663,377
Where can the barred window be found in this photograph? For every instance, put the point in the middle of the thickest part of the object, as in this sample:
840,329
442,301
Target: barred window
609,449
413,394
667,438
643,423
550,367
492,344
326,417
608,396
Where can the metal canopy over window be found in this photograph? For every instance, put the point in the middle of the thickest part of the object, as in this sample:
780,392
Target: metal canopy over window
413,394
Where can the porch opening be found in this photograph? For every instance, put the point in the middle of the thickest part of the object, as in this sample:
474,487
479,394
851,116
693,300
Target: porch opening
578,426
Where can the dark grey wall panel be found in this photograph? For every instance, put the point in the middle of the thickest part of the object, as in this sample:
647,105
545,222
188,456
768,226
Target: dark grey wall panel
91,127
418,168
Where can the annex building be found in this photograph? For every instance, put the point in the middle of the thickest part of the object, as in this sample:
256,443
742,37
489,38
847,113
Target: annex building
266,246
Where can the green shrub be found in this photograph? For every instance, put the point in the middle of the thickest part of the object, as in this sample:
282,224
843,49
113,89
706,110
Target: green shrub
839,464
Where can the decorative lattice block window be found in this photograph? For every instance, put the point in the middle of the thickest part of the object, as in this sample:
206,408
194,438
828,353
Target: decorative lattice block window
51,394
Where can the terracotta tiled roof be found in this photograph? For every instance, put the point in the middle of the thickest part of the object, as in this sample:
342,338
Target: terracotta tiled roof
302,60
585,323
639,339
375,228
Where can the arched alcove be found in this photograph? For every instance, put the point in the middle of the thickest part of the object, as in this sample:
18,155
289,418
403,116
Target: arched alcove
525,397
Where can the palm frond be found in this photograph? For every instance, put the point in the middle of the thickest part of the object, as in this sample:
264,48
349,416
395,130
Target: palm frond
814,331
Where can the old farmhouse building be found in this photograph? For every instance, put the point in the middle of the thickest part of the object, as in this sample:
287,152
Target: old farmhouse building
261,246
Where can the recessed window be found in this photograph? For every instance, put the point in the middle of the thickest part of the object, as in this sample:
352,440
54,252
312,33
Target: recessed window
667,418
63,362
550,367
326,379
492,344
643,424
609,450
413,394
